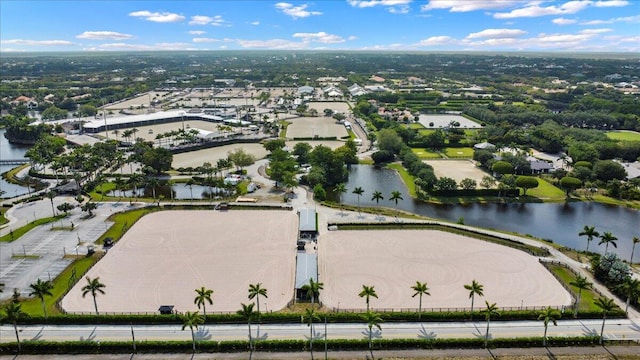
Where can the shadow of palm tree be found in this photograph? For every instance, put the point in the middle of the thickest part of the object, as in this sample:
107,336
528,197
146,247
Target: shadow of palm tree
91,337
375,334
586,331
203,333
38,336
259,337
316,336
423,334
550,355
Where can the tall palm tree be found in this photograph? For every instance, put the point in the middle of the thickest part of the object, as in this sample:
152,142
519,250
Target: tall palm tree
420,289
94,286
475,288
490,310
367,293
581,283
255,291
192,320
373,320
313,289
548,315
340,189
308,317
51,194
633,248
202,298
41,289
395,196
608,238
377,196
606,305
13,312
190,182
631,287
590,232
248,313
358,191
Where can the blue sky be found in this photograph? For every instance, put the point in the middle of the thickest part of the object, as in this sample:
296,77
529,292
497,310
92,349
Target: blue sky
407,25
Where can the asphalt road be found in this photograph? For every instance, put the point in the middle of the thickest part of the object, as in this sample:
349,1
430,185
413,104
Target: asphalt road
616,329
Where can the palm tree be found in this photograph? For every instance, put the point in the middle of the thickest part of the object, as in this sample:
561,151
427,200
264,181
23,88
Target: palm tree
633,248
192,320
367,293
51,194
548,315
248,313
377,196
202,298
491,309
608,238
190,182
13,311
631,287
475,288
606,305
308,317
358,191
373,320
420,289
340,189
94,286
581,283
255,291
313,289
395,196
590,232
41,289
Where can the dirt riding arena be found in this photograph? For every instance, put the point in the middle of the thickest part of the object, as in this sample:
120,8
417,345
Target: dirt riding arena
457,170
307,127
393,260
166,255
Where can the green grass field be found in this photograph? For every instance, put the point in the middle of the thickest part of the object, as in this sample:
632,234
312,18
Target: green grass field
426,154
623,135
406,177
415,126
546,191
465,152
587,297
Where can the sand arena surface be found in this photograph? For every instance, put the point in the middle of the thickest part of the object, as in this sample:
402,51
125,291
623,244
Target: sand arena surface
166,255
306,127
393,260
457,170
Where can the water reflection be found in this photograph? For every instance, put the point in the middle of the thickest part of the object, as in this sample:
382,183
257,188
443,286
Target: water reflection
179,191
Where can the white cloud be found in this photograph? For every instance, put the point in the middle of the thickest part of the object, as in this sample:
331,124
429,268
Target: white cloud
37,42
200,20
611,3
497,34
438,40
104,35
219,21
629,19
595,31
466,5
255,23
372,3
352,38
535,10
272,44
164,17
210,40
562,38
321,37
143,47
296,11
563,21
197,32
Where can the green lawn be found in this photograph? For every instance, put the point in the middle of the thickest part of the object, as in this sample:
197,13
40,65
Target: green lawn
23,230
426,132
546,191
586,298
61,285
465,152
624,135
406,177
426,154
415,126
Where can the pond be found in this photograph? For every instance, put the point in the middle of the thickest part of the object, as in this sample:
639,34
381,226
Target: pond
9,151
180,192
560,222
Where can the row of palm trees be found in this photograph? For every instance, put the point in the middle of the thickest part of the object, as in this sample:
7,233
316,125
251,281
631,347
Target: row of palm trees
359,191
605,238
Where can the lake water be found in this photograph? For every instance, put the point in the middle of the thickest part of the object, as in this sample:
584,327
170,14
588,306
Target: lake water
560,222
10,151
180,192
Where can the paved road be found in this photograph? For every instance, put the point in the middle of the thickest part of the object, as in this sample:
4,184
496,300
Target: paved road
616,329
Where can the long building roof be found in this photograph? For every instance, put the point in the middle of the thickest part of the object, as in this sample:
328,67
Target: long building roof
133,120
